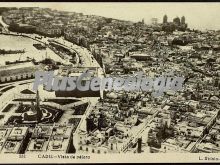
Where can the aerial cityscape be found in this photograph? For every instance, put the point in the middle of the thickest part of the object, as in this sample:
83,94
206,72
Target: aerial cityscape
111,121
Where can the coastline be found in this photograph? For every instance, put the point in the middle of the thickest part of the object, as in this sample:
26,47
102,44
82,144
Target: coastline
21,35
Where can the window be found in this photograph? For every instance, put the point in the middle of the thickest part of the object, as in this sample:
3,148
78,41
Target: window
87,149
80,148
93,150
98,151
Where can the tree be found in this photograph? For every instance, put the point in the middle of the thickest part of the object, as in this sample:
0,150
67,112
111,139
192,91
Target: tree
176,21
183,20
165,19
108,20
153,141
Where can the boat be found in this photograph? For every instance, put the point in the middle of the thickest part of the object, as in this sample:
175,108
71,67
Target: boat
39,46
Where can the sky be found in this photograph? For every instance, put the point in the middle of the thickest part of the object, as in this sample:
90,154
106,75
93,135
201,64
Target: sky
198,15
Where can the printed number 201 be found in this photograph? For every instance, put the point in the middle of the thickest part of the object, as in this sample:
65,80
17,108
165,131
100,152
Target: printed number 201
22,156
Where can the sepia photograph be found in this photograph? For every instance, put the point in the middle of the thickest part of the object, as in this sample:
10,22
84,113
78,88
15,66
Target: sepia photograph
107,82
